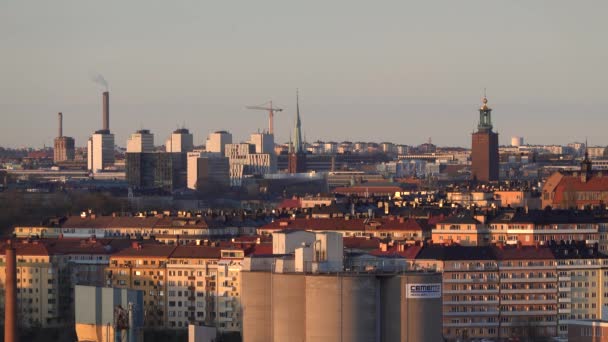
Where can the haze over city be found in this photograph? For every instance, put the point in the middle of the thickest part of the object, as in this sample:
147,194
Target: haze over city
400,72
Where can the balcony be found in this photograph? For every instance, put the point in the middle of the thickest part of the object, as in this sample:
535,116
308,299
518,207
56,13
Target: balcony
530,313
465,291
470,325
472,281
528,324
515,291
565,289
471,302
565,300
529,280
565,311
528,301
471,313
564,278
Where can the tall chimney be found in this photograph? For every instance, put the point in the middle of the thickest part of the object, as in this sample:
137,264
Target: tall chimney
106,110
60,115
10,295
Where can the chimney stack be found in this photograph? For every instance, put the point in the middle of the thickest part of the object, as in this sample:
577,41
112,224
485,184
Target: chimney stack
10,295
106,111
60,115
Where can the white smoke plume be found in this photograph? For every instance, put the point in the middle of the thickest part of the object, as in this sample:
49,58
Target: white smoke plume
99,79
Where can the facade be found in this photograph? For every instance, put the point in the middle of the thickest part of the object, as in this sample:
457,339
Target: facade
207,170
298,297
64,149
245,162
585,188
484,152
462,229
100,151
141,141
156,170
63,146
217,141
396,228
505,292
47,271
263,142
182,285
181,140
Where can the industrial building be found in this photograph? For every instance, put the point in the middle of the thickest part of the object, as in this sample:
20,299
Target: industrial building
63,146
100,146
301,292
108,314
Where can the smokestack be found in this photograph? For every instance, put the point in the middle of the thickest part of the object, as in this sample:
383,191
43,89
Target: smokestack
60,115
106,111
10,295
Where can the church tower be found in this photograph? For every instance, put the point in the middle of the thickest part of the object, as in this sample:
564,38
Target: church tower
484,149
297,156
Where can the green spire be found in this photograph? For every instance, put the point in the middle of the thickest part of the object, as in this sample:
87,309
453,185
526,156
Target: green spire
298,129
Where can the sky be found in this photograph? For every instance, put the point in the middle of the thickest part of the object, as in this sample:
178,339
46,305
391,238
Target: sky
400,71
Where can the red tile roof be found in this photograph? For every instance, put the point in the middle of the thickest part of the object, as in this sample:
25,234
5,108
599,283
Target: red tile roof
290,203
197,252
342,224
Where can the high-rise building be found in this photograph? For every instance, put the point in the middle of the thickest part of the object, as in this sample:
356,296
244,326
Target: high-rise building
484,153
297,156
244,161
141,141
216,142
100,151
181,140
263,142
156,170
64,146
100,147
207,169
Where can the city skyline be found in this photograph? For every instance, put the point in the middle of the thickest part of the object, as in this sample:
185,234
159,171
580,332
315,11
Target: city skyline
386,71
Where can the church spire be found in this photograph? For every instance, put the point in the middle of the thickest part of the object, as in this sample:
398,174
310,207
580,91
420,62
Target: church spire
298,128
485,115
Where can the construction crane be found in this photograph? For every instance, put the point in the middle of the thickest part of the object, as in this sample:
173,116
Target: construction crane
268,106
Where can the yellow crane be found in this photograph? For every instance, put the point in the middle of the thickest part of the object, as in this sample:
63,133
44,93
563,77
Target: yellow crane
268,107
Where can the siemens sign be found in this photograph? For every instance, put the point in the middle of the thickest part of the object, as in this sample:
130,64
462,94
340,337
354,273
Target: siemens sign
423,290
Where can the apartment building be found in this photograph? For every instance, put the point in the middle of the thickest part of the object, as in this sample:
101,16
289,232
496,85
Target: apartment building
396,228
462,229
48,270
143,267
184,284
540,227
470,289
517,291
187,227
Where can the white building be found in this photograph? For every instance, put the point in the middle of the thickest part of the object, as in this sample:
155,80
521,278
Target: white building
217,141
207,168
244,162
140,141
181,140
263,142
100,151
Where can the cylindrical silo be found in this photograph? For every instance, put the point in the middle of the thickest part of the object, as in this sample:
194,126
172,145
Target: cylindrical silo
288,307
341,308
421,307
255,296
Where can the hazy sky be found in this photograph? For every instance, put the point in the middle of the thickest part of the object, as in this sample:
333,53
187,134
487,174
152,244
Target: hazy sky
400,71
